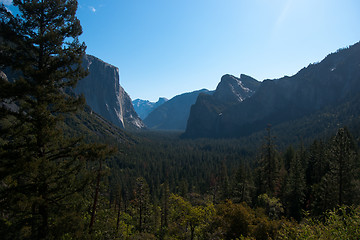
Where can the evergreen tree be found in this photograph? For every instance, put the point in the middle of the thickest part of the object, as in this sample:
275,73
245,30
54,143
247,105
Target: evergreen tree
164,209
242,186
337,185
317,163
267,170
42,173
342,165
295,187
224,182
142,205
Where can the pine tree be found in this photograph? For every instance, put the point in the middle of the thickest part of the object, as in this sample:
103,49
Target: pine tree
242,186
42,173
224,182
267,170
295,187
342,165
164,209
337,185
142,204
317,167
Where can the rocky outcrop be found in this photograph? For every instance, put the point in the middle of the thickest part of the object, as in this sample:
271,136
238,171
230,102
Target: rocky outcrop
233,90
173,114
105,96
144,107
207,111
329,83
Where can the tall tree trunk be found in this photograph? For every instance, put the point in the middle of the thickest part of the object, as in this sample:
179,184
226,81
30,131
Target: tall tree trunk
44,226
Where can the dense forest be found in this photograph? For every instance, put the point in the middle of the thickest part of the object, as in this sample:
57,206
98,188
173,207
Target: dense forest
67,174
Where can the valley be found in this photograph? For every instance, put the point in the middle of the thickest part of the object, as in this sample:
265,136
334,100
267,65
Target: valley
79,159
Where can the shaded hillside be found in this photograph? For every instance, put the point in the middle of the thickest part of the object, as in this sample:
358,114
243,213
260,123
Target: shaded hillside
320,86
93,127
173,114
84,123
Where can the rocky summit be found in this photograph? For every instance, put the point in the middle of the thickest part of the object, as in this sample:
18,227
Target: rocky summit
208,109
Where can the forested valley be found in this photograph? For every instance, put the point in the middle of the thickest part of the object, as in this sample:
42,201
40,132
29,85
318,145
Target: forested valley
65,173
215,189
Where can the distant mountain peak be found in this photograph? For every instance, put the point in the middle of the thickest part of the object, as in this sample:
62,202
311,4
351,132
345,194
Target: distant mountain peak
144,107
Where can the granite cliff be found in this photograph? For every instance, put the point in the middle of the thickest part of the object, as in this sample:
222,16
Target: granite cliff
208,109
105,96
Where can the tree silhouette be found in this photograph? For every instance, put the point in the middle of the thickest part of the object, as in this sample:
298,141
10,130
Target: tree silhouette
42,173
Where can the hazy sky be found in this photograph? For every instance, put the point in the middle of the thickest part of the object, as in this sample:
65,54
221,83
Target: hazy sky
167,47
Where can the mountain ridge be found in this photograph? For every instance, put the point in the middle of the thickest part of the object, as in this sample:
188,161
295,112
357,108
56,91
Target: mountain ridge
327,83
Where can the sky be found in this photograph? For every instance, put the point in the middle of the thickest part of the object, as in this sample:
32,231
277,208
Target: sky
168,47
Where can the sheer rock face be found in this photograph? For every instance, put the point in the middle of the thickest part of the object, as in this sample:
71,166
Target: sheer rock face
206,113
105,96
329,83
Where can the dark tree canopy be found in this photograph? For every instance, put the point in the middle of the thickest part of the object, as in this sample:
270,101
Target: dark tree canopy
42,172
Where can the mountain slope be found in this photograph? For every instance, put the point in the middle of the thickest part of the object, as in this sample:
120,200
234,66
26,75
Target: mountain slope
208,109
85,123
105,96
144,107
329,83
173,114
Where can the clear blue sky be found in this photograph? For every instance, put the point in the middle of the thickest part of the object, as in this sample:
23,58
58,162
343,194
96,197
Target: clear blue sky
167,47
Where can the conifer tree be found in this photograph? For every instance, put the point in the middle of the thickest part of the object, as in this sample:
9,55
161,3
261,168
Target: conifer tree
342,165
42,173
224,181
142,204
337,185
164,209
295,187
267,169
242,186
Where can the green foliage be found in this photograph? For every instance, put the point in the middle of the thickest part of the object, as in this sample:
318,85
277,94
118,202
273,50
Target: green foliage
274,208
54,186
43,173
242,186
341,223
338,184
239,221
142,205
268,166
295,188
187,221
